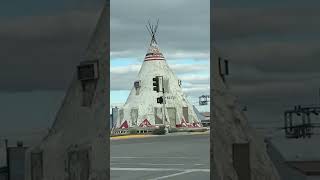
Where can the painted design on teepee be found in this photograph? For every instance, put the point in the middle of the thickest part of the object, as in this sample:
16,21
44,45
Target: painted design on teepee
189,125
197,125
154,52
143,98
183,123
124,125
145,123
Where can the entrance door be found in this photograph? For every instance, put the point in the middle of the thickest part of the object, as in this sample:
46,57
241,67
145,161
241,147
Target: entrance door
241,160
36,166
134,116
172,116
158,115
79,165
185,114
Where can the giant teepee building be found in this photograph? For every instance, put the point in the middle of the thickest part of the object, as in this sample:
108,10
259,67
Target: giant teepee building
141,108
77,144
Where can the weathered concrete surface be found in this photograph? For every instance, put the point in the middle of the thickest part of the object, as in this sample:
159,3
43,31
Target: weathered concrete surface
230,126
76,127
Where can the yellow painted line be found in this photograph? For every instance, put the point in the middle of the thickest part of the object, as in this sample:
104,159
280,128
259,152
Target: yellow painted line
206,132
130,136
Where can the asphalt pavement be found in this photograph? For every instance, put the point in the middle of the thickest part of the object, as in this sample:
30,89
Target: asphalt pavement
181,157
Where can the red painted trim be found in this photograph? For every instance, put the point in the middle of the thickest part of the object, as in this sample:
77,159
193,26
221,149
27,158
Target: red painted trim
154,59
197,125
189,125
145,123
124,125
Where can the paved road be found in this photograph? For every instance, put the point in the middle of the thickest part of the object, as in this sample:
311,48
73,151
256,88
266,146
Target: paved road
166,157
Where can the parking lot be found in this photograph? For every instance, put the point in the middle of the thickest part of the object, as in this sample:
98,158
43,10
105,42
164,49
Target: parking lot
163,157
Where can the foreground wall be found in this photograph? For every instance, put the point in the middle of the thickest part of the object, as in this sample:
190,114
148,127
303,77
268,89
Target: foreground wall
231,126
77,144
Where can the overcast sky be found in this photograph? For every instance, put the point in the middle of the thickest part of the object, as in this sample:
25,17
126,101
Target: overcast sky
272,47
41,43
183,36
274,53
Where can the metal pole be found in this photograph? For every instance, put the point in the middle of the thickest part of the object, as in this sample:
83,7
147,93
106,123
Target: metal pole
164,101
164,108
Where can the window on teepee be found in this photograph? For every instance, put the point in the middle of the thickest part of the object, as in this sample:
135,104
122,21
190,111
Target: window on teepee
137,85
79,164
88,74
179,82
185,114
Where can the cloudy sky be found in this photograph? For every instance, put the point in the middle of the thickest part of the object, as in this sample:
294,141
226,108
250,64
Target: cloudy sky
272,47
183,37
41,43
274,53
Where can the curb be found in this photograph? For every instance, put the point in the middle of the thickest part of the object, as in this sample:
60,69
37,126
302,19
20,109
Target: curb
129,137
206,132
146,136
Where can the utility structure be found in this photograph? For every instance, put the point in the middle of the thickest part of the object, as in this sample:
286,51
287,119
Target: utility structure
297,121
144,106
204,99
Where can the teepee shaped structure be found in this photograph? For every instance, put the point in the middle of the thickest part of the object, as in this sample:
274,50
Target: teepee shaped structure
77,145
141,108
231,127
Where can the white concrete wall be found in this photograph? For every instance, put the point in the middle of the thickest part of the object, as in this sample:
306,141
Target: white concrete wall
231,126
78,127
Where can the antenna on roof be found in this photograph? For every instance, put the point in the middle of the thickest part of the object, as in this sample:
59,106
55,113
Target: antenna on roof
152,29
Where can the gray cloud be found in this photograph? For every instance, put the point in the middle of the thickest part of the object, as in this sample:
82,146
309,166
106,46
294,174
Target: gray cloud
40,52
40,47
232,23
183,28
273,57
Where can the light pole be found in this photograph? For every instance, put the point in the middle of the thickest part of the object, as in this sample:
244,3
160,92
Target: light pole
164,101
